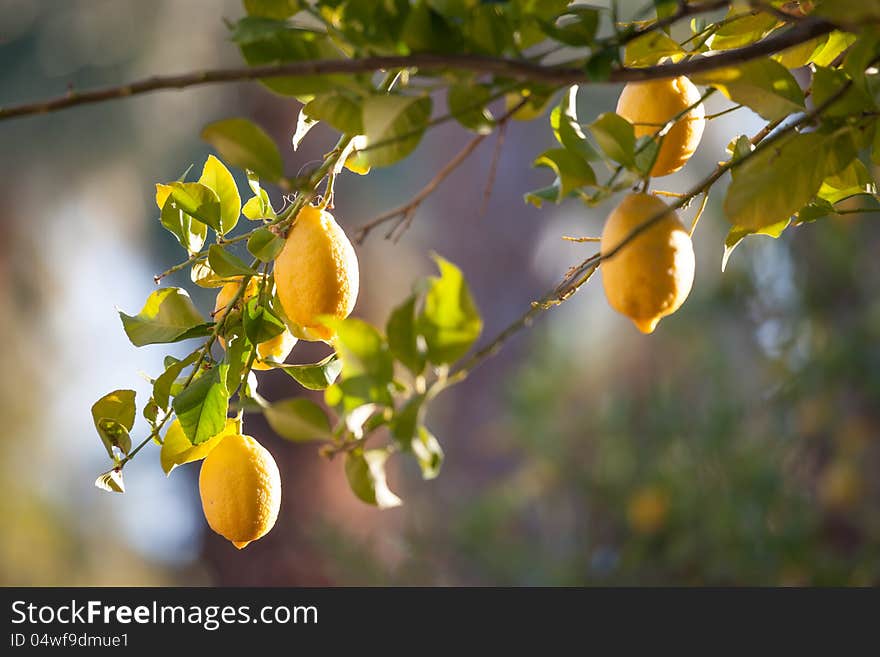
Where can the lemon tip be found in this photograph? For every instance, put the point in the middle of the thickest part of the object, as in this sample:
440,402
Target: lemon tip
646,326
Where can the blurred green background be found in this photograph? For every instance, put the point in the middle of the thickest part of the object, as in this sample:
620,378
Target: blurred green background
737,445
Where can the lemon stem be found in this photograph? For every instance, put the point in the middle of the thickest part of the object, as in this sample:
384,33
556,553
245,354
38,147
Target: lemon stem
699,214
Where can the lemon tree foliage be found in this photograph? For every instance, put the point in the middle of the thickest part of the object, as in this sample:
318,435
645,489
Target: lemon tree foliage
285,270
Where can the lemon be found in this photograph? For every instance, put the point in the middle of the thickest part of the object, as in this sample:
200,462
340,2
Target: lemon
240,489
652,274
840,487
647,510
316,273
276,348
650,105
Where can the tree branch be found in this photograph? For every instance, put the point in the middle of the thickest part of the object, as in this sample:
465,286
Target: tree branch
580,274
518,69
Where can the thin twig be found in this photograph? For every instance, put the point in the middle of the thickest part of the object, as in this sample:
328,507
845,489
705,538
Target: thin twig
568,238
511,68
405,213
493,169
699,214
364,230
181,265
684,10
709,117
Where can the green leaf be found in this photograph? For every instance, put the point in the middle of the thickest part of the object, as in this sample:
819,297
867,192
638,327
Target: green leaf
365,471
236,356
854,180
649,49
875,144
449,321
277,9
337,110
265,245
245,145
739,147
264,41
352,392
814,210
407,419
801,54
575,27
488,30
162,384
201,407
111,481
859,57
828,82
298,419
393,127
168,315
737,234
259,207
362,349
304,123
836,43
665,8
428,452
202,275
741,29
763,85
840,148
216,177
849,12
645,153
468,105
198,201
778,180
314,376
536,103
567,128
226,264
151,412
572,171
402,336
601,63
178,450
615,136
538,197
427,30
260,323
113,416
189,232
367,366
407,428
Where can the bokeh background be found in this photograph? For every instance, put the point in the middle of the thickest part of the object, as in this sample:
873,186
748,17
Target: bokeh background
737,445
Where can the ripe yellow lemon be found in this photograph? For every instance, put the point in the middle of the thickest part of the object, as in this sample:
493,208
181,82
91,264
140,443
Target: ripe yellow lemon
651,275
240,489
276,348
316,273
650,105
